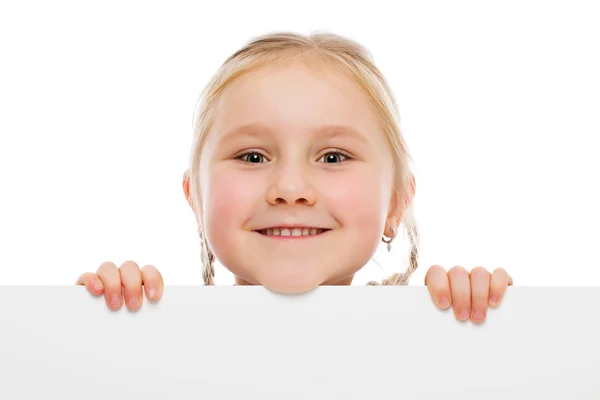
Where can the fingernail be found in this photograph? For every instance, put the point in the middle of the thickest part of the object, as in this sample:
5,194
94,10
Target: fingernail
151,293
493,300
97,287
463,314
444,302
115,301
478,315
133,302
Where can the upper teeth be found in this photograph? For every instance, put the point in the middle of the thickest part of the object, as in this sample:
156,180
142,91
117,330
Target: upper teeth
292,231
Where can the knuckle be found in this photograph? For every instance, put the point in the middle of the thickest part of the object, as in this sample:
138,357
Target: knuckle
82,279
433,274
500,272
480,271
437,269
457,272
130,274
150,270
500,275
129,265
106,266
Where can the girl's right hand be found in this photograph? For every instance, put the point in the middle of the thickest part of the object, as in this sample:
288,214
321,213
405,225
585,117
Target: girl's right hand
128,278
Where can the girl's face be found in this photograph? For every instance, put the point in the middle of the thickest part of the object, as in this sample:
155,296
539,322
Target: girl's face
296,178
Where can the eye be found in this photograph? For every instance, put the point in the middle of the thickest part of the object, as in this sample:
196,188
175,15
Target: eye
253,158
334,157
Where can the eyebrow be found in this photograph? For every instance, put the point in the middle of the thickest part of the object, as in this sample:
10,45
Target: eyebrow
327,131
255,129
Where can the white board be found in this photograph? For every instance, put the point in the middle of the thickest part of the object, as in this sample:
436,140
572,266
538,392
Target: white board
332,343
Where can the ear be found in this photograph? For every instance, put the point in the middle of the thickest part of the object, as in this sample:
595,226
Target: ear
409,195
186,188
187,192
401,200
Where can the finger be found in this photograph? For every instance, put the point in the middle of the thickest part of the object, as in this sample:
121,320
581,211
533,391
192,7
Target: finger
111,279
131,279
438,284
153,282
92,282
460,289
480,290
499,281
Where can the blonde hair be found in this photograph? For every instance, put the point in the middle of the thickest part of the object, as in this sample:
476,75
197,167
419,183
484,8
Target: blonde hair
354,59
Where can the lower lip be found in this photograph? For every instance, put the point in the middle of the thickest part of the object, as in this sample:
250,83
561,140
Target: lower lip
279,237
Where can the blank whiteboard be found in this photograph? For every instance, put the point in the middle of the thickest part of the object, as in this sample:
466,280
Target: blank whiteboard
332,343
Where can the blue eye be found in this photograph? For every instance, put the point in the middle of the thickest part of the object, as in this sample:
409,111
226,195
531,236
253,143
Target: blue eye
334,157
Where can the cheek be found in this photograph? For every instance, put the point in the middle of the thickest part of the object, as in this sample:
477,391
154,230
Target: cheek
228,202
359,199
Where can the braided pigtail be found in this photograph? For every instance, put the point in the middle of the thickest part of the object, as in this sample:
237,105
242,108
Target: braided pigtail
402,278
208,262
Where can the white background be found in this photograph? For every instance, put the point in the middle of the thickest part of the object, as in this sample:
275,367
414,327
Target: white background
499,105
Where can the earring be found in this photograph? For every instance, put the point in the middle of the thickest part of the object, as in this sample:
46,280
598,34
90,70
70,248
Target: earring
389,241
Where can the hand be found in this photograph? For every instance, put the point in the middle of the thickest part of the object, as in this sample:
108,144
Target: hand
111,281
469,293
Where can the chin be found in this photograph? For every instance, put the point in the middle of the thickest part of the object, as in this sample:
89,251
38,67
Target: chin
290,283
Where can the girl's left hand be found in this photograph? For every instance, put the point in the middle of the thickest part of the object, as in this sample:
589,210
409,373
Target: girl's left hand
469,293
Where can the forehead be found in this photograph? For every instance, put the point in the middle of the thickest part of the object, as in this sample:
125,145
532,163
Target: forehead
296,96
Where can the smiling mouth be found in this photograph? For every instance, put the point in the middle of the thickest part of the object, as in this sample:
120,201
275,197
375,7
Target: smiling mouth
295,232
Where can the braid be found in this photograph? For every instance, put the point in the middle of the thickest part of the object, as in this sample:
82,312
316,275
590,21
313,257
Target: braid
399,279
208,260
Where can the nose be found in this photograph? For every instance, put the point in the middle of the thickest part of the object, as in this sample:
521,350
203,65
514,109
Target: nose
291,185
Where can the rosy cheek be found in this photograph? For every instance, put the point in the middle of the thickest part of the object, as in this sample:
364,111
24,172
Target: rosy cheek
356,198
230,196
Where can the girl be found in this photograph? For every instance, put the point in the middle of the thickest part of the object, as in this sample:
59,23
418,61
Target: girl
298,172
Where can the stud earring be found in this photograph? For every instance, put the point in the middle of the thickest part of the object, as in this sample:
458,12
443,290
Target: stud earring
390,240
